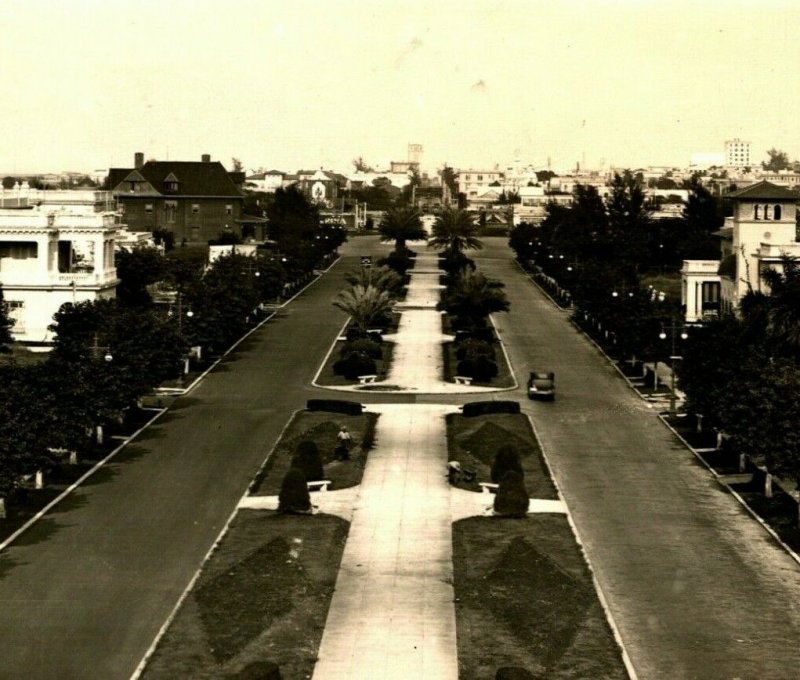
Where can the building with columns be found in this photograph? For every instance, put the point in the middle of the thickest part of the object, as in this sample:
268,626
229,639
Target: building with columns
759,234
51,257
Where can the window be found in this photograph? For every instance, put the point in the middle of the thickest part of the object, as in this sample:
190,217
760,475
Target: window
195,208
170,209
16,309
480,178
19,250
757,212
776,212
148,208
229,209
766,212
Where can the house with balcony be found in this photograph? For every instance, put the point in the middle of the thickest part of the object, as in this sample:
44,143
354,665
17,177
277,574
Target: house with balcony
50,257
759,234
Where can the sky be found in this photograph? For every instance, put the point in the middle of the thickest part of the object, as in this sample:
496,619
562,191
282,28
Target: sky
315,83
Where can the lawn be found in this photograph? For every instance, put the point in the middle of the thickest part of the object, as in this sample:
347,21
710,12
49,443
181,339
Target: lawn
263,596
321,428
524,594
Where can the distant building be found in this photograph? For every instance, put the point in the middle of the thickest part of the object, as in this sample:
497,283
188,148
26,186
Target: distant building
474,183
268,182
737,153
760,233
195,200
50,257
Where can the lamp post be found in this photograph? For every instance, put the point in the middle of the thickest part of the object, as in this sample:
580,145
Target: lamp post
673,329
100,351
189,315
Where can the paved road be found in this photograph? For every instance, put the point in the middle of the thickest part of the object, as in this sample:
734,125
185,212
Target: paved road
83,593
697,588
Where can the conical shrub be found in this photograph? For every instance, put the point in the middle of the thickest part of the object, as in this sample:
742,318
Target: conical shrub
511,499
294,496
308,459
505,459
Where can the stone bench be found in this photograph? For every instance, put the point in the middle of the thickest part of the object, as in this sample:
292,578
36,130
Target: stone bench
462,380
364,379
488,487
320,485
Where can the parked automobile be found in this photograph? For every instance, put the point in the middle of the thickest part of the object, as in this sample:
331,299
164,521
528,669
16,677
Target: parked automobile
542,385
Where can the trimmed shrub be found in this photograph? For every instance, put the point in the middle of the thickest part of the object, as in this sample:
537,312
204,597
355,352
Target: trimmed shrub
511,499
294,496
397,261
354,365
308,459
259,670
364,346
352,334
470,348
480,368
482,408
350,408
505,459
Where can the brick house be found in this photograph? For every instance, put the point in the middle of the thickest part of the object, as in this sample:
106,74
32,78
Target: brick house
195,200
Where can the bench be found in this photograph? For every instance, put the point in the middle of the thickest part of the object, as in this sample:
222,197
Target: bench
321,485
364,379
488,487
462,380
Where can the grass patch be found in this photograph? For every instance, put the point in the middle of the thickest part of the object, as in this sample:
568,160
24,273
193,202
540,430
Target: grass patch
525,597
474,441
668,282
321,428
263,596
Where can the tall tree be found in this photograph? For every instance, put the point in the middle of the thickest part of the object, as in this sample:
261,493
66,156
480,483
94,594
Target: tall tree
474,296
778,160
137,269
365,304
401,224
454,231
628,220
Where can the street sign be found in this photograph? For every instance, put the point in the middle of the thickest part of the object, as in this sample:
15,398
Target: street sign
366,261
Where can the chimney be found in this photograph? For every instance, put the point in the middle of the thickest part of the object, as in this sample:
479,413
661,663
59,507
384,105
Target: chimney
206,158
138,160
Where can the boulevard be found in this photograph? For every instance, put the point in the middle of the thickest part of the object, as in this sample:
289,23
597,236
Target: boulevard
695,587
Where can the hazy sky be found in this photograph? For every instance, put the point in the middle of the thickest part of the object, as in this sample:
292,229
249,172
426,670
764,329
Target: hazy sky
293,84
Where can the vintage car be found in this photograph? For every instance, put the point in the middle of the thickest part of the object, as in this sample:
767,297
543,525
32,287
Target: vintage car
542,385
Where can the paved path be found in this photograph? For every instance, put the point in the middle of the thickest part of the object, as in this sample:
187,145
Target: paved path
392,615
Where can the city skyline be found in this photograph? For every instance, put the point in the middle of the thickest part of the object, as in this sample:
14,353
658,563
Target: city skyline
312,84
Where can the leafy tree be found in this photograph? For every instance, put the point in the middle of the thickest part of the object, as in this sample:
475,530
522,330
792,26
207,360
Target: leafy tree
778,160
449,179
545,175
137,269
474,296
9,182
454,231
401,224
628,221
236,165
361,165
165,238
365,304
783,320
523,239
292,217
702,216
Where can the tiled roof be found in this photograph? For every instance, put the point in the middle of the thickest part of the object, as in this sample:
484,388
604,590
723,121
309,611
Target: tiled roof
763,190
194,178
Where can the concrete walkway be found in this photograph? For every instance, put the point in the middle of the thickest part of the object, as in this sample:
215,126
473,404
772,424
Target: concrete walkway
392,615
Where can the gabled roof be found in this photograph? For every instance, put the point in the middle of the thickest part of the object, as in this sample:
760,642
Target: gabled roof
763,190
194,178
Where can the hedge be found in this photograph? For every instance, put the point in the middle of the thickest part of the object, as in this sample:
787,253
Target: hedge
349,408
482,408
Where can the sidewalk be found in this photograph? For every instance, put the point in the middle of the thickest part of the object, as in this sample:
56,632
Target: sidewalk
392,615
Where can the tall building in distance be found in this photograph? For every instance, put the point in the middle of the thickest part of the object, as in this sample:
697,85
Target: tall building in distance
737,153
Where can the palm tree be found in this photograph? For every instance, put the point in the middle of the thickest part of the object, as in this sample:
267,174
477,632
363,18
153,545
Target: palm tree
365,304
401,224
474,296
454,231
382,278
783,317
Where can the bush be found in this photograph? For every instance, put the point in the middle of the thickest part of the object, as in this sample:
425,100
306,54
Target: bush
482,408
397,261
354,365
470,348
308,460
511,499
481,368
505,459
294,496
349,408
369,347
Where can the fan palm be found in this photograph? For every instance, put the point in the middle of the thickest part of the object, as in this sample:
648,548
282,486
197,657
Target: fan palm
382,278
784,303
365,304
454,231
401,224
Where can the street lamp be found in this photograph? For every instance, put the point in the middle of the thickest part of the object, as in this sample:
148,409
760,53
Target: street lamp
673,329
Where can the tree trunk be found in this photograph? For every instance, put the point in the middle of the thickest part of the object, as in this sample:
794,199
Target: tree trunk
768,485
742,462
39,483
99,434
699,423
73,457
3,508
